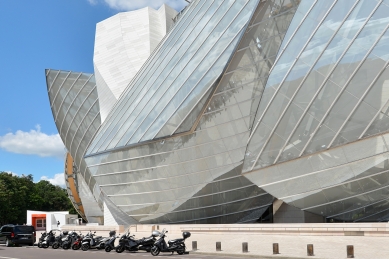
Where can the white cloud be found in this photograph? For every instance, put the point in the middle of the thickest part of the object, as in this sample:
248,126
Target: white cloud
92,2
58,179
128,5
33,142
10,172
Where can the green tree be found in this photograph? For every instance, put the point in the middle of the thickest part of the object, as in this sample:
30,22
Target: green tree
19,194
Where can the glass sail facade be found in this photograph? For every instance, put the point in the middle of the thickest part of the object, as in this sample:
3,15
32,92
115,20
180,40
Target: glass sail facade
191,173
241,102
318,140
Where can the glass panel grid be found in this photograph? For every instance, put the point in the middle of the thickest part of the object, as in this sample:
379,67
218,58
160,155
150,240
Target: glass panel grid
196,63
119,109
224,7
325,10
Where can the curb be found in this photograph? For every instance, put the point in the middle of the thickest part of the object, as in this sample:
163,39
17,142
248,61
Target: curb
248,255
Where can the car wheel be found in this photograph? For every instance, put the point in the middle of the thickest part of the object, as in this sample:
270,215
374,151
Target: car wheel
8,242
119,249
155,251
108,249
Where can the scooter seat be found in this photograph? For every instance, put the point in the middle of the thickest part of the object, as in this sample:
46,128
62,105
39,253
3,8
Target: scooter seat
176,240
98,237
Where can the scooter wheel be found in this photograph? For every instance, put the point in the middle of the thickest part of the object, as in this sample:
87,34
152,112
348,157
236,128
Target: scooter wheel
55,245
66,246
155,251
181,251
85,247
108,249
40,244
76,246
119,249
44,245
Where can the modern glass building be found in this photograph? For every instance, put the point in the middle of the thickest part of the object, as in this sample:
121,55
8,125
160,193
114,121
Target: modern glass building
244,107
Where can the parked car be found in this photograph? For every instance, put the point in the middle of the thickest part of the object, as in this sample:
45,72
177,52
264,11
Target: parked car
17,234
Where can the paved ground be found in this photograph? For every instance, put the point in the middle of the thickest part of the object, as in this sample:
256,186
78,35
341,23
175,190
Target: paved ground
37,253
260,246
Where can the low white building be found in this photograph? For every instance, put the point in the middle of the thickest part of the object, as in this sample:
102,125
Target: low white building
48,220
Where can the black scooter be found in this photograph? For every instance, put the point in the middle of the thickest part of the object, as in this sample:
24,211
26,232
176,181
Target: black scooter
42,238
49,239
70,239
91,241
110,244
129,243
60,239
176,245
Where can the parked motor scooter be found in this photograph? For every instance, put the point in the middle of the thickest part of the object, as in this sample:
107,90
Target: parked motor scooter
176,245
49,239
77,244
128,242
110,244
60,239
41,239
93,242
69,240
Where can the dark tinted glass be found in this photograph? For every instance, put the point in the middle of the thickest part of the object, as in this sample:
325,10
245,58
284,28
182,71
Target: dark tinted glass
24,229
6,229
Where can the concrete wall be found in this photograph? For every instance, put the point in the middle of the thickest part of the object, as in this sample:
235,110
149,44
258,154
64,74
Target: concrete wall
123,43
329,239
289,214
51,218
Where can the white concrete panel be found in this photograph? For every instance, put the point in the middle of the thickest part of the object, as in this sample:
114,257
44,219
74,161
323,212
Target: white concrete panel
106,98
122,44
109,220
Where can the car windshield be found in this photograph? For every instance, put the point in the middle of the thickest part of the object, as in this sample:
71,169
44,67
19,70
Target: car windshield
24,229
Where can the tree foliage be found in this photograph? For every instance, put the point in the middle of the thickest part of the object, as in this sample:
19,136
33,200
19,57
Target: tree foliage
19,194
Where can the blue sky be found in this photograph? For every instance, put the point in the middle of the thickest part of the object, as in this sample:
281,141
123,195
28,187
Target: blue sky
35,35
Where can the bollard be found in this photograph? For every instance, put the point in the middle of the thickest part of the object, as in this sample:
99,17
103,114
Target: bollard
218,246
310,249
350,251
194,245
275,249
245,247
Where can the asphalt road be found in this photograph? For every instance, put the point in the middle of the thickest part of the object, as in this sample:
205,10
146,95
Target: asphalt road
39,253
